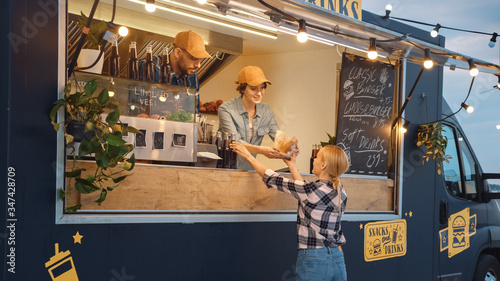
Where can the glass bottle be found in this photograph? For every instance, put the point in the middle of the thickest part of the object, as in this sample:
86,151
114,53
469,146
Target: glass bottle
148,71
165,67
220,151
227,150
232,154
132,64
114,61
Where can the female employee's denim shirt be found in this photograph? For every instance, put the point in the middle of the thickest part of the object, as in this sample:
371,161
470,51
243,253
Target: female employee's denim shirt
233,118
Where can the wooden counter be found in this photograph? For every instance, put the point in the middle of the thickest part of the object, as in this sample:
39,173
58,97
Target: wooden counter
157,187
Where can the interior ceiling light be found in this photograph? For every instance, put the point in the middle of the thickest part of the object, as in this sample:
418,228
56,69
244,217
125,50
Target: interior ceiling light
468,108
493,40
372,50
123,31
435,31
302,32
388,10
213,17
150,6
428,63
472,68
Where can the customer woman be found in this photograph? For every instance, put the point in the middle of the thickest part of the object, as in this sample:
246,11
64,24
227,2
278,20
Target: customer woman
248,117
320,208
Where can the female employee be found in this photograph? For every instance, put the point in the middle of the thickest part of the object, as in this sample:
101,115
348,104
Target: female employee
248,117
321,205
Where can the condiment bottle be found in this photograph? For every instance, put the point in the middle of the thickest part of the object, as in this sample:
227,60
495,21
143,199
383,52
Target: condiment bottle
220,151
114,61
148,71
233,164
132,64
227,150
165,67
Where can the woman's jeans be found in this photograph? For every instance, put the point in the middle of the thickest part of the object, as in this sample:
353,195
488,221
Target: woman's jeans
324,264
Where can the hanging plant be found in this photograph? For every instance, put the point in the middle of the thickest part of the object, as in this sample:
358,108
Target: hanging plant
431,136
99,137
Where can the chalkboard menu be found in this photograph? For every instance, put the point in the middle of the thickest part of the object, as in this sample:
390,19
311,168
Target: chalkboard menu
365,113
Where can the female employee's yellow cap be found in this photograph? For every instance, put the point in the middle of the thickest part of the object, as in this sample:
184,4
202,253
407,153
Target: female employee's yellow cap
192,43
252,75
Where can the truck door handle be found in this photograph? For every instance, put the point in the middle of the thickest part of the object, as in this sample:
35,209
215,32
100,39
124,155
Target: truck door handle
443,212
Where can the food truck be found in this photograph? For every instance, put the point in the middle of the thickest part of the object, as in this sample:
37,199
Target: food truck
176,215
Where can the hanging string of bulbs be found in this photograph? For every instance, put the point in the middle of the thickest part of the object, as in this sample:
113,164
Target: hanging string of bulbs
372,54
435,31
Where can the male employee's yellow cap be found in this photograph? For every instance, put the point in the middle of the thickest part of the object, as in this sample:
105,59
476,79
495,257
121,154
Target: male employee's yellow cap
192,43
252,75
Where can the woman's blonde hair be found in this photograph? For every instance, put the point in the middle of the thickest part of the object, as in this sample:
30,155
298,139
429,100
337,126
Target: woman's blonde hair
337,162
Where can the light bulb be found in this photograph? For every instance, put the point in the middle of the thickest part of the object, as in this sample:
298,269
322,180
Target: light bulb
428,63
493,40
404,128
162,98
150,7
372,50
123,31
468,108
132,107
498,127
472,68
201,1
388,10
302,32
302,37
111,93
435,31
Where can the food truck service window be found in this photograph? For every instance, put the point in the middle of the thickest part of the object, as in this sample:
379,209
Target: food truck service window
317,91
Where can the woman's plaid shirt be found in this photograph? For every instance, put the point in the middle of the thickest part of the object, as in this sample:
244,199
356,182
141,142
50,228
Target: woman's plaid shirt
318,220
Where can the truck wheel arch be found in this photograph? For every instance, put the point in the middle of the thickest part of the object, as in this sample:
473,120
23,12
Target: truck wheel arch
486,265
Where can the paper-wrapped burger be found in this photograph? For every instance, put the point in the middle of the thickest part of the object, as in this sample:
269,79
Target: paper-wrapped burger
285,144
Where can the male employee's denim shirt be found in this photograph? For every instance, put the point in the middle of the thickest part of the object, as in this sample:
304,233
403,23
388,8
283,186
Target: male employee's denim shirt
233,118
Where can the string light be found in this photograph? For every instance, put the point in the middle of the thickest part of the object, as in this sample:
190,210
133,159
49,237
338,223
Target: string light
150,6
428,63
435,31
372,50
404,128
468,108
302,32
472,68
493,40
388,10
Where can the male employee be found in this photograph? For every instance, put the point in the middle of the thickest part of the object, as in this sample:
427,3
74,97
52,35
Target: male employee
189,50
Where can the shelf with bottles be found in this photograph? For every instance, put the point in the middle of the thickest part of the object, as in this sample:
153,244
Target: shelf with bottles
145,99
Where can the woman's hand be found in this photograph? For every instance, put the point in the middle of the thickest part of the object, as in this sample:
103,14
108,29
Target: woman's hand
273,153
241,150
291,161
